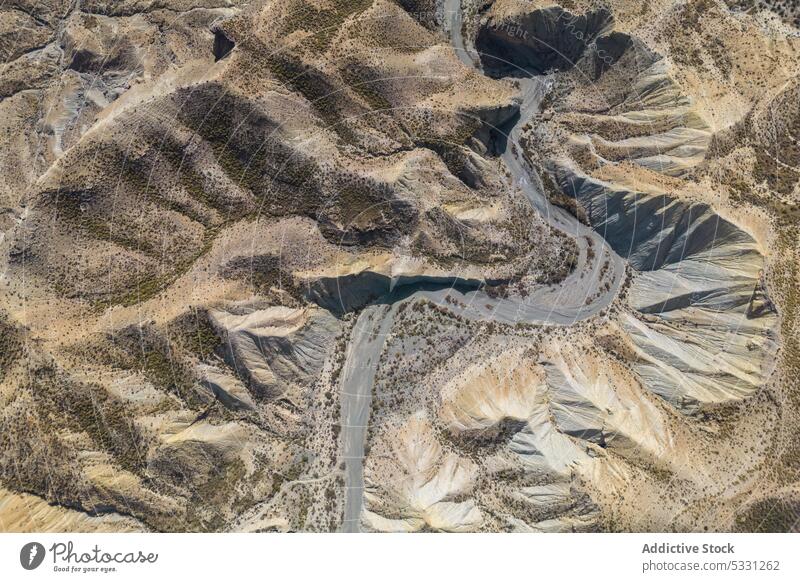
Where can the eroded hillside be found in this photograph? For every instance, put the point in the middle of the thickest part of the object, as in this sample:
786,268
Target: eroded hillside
398,266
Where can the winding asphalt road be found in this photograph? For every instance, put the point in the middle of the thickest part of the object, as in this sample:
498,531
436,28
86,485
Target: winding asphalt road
589,289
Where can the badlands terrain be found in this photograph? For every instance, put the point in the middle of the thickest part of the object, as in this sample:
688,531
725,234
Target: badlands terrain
399,265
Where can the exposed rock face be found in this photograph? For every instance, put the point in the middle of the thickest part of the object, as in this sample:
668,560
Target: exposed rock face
543,429
195,195
494,392
245,244
226,387
28,513
567,434
786,9
423,488
702,329
64,66
275,347
546,39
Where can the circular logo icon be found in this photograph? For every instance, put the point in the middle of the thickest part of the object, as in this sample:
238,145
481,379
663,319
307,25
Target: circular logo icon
31,555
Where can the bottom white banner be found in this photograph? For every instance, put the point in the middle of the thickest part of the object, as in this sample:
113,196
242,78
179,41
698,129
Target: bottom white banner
358,557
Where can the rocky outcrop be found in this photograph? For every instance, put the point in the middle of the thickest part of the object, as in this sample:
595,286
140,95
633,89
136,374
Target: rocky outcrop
703,330
542,40
273,347
289,265
424,489
23,513
530,435
700,326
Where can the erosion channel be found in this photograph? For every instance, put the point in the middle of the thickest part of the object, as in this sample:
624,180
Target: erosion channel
563,304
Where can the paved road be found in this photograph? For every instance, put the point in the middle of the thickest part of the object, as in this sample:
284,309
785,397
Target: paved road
581,295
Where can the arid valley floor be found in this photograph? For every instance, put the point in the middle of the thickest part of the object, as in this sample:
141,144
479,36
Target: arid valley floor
399,265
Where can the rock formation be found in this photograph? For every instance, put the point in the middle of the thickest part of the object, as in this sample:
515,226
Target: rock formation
399,265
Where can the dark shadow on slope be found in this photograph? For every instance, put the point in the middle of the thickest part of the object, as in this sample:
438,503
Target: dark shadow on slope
540,41
222,45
